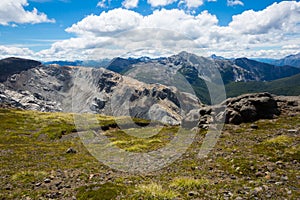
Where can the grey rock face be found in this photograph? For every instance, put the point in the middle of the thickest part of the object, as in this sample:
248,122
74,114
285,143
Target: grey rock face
26,100
78,89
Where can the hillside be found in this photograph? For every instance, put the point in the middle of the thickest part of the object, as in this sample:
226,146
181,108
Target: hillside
42,157
287,86
80,90
266,72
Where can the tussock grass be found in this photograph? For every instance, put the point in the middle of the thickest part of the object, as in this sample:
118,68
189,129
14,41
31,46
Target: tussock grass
281,140
189,183
154,191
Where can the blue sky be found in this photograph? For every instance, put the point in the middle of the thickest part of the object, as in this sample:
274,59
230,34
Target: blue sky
82,29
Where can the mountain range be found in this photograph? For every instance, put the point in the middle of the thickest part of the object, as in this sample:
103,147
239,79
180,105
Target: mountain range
89,90
200,71
291,60
164,88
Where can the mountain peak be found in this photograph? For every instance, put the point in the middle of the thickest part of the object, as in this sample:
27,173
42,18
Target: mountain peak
185,54
13,65
215,57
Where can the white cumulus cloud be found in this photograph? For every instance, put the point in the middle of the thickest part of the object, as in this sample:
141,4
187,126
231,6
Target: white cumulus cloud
283,17
8,51
13,11
130,3
271,32
194,3
155,3
110,22
235,3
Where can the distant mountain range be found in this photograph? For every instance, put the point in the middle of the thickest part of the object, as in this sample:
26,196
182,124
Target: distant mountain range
232,70
87,63
198,71
291,60
189,73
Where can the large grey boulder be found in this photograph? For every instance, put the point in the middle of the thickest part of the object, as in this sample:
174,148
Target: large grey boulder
237,110
250,107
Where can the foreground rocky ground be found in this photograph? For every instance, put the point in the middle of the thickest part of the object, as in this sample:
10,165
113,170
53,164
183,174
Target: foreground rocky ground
42,157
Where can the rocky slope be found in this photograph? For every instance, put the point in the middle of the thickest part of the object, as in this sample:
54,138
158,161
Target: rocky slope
266,72
77,89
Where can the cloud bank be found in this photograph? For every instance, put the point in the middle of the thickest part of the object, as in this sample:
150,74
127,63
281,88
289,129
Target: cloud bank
13,11
271,32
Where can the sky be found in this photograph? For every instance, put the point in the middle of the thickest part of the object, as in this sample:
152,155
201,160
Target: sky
48,30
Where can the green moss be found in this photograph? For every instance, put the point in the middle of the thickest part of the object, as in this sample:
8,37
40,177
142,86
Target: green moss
292,153
279,141
124,139
105,191
137,148
28,176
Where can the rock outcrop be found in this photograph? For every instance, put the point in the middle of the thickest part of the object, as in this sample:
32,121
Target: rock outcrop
244,108
26,100
251,107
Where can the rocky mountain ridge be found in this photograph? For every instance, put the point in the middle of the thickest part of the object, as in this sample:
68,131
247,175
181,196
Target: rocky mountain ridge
233,70
78,89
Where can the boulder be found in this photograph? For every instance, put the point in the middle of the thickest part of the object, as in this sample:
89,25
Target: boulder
250,108
244,108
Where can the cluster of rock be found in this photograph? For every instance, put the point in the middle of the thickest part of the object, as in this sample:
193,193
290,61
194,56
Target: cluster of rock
289,105
26,100
237,110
